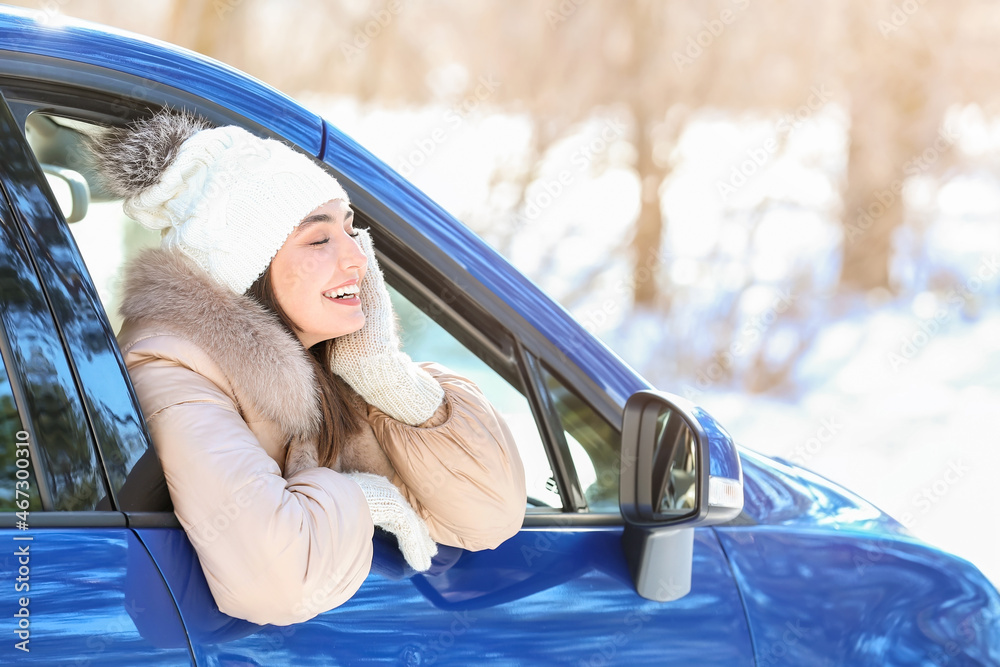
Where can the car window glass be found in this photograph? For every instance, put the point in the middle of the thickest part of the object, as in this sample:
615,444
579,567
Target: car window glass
66,463
594,445
18,490
107,238
425,340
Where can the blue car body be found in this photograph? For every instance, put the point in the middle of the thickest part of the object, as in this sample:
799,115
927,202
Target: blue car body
808,574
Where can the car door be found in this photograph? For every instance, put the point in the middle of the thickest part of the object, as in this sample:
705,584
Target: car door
559,591
80,587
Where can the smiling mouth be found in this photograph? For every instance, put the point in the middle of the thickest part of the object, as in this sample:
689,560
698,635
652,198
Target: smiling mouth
348,293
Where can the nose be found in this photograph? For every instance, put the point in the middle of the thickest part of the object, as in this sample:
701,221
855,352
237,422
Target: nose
352,257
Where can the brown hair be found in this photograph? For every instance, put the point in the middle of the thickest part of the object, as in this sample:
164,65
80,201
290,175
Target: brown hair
341,418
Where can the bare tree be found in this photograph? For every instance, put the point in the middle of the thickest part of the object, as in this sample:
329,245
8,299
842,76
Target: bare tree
897,92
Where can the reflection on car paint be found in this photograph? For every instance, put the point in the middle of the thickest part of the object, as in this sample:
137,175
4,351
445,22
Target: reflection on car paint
543,597
95,597
860,600
721,463
779,494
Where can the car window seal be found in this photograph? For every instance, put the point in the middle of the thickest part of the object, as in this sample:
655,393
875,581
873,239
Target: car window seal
557,449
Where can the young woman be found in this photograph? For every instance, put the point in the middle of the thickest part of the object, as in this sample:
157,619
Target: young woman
262,345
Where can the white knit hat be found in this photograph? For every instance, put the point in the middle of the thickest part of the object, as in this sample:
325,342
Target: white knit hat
224,197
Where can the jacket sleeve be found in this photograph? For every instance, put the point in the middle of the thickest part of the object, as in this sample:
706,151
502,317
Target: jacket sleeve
273,550
465,476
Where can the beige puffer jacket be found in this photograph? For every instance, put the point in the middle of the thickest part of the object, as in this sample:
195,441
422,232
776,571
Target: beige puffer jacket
223,388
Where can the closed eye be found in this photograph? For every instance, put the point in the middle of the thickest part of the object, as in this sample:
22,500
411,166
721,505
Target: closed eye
321,242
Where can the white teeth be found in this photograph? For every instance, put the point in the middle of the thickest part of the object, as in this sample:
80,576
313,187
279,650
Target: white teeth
342,291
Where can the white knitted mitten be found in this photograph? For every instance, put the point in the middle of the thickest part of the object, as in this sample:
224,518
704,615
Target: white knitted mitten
390,511
371,361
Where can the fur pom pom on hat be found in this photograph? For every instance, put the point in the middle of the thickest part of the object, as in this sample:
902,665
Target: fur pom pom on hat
224,197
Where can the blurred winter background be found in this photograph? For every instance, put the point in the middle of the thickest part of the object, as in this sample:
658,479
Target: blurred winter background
787,211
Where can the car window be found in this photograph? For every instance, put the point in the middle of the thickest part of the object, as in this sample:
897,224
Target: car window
594,445
18,490
425,340
106,238
105,235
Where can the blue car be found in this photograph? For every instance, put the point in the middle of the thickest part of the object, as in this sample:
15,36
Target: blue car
648,536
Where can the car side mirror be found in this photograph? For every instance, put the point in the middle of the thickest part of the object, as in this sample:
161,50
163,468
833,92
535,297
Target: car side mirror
71,190
679,470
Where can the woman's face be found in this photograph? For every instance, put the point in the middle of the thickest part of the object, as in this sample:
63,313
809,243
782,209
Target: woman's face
318,258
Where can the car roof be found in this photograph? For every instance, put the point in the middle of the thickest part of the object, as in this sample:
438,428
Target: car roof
161,63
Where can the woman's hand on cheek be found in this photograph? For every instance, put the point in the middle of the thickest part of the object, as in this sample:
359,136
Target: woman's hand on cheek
370,360
378,335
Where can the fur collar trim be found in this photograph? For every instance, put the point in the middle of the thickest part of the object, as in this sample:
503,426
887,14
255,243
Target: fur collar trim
266,365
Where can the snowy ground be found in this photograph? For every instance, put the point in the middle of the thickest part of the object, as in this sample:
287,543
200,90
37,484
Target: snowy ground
900,402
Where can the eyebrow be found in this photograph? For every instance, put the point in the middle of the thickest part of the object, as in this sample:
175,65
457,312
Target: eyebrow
321,217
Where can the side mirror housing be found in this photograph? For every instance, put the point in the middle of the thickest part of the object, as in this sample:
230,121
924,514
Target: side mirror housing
679,470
